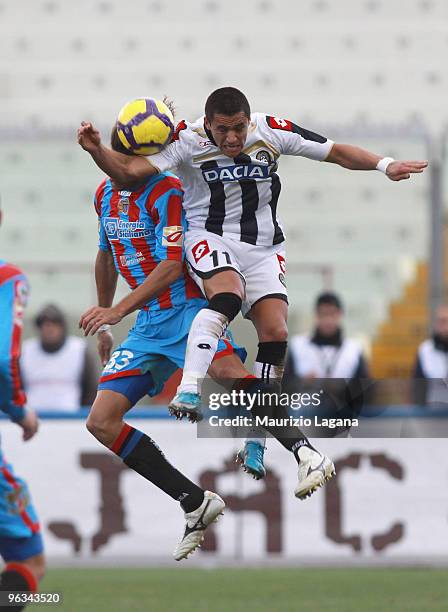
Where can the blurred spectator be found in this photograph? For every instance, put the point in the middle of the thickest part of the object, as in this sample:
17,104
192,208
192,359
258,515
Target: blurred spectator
431,365
327,354
59,371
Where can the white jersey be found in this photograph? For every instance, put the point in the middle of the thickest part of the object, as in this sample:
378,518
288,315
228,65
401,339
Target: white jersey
53,380
237,197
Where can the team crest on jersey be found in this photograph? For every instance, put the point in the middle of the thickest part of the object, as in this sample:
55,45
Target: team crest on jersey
200,249
123,205
264,156
173,236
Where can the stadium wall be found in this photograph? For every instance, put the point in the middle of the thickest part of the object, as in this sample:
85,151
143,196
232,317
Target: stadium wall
388,505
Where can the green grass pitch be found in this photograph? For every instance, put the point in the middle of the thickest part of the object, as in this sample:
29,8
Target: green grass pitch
247,590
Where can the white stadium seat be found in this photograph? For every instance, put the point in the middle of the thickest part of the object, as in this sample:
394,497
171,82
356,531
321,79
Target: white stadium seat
335,69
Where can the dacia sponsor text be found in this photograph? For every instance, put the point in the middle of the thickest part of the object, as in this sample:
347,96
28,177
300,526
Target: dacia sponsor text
236,173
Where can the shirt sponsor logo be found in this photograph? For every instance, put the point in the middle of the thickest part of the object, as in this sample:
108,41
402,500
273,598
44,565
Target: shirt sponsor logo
236,173
173,236
200,249
279,122
117,229
131,260
281,263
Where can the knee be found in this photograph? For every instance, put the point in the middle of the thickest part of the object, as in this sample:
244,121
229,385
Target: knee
36,565
228,304
275,331
99,427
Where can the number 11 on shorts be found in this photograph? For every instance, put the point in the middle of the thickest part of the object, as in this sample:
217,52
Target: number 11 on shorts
217,258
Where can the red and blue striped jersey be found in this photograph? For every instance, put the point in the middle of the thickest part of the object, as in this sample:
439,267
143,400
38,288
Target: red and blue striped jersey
143,228
14,291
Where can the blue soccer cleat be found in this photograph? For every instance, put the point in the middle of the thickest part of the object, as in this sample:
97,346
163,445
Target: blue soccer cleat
188,404
251,458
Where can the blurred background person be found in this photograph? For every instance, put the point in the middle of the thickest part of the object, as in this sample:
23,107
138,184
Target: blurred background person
59,370
327,354
430,387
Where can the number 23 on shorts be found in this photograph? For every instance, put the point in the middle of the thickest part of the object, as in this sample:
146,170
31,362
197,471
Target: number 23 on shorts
118,361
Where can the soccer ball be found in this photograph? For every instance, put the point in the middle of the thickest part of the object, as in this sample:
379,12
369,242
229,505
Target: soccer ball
145,126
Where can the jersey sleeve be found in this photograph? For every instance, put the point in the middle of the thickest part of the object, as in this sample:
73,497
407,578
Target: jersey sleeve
13,299
175,154
169,219
291,139
103,242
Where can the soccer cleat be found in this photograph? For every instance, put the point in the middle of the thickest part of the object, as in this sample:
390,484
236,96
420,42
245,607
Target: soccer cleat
315,470
197,522
186,404
251,458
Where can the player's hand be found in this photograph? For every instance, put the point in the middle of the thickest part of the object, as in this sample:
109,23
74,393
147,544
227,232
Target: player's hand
29,424
88,137
96,316
105,344
400,170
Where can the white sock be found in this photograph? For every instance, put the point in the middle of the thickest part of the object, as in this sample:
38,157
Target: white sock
268,371
207,328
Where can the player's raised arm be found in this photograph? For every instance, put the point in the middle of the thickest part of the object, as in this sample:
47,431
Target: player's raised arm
129,169
292,139
124,169
356,158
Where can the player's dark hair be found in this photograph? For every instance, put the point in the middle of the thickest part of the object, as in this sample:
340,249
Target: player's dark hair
116,143
51,313
170,103
328,298
226,101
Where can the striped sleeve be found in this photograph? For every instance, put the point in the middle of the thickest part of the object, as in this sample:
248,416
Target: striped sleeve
103,242
13,298
165,208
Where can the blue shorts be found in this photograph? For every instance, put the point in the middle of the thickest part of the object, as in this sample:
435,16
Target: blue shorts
20,536
154,349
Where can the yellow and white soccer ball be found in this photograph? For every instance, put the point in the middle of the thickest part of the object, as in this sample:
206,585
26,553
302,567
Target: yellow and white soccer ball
145,125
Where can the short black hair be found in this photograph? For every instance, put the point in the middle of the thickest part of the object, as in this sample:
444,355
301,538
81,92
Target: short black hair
52,313
226,101
328,298
116,143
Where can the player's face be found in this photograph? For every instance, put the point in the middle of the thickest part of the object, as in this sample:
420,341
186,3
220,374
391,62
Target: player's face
328,319
441,323
229,132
